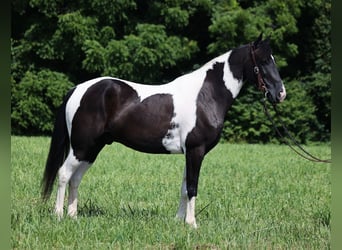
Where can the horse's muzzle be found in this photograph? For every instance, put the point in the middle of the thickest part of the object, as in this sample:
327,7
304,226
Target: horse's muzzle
281,95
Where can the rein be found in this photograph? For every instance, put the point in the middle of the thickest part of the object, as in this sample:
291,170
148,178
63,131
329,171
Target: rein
289,138
300,151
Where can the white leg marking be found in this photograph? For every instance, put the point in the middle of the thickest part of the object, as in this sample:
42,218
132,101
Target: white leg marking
186,209
69,166
62,181
190,212
73,188
183,199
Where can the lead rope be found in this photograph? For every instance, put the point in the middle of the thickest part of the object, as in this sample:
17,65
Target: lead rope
305,154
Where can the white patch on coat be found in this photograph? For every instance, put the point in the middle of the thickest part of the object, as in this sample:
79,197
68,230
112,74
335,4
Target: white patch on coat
184,91
172,140
66,171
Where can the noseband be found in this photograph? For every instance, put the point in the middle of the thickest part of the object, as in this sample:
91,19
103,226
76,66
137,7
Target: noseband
261,83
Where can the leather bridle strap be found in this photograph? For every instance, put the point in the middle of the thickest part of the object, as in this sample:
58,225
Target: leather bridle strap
261,83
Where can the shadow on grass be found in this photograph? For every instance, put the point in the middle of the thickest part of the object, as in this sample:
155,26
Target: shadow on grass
137,210
90,209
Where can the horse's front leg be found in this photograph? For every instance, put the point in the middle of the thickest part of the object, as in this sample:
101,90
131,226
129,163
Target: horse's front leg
186,209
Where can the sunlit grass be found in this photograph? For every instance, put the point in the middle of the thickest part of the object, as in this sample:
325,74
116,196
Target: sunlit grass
251,196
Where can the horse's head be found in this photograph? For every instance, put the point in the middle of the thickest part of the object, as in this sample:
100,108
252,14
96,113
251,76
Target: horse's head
262,70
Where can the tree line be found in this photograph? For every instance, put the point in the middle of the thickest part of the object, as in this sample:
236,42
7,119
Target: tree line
58,44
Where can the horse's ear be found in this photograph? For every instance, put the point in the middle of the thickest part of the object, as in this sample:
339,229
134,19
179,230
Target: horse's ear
258,40
267,40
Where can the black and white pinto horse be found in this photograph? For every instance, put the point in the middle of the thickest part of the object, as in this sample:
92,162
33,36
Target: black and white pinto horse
184,116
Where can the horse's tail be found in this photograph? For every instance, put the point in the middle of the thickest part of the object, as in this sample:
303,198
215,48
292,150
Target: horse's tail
59,149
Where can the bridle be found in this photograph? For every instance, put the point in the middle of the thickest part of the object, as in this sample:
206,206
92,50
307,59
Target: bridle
262,87
261,83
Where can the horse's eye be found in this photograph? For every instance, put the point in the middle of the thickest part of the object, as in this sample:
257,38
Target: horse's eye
266,61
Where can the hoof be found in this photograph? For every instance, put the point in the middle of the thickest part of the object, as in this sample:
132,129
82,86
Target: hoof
59,215
192,224
179,217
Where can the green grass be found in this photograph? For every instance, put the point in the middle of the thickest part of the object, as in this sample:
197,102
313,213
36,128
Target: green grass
258,197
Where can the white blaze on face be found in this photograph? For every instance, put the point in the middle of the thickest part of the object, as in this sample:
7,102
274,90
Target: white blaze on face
282,93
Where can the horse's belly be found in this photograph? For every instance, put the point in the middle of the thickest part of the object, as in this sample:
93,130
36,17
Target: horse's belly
150,140
172,145
161,146
172,141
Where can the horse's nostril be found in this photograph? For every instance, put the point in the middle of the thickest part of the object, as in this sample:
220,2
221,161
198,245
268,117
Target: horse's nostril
281,95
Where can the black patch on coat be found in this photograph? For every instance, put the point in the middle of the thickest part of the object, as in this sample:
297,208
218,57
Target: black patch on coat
237,60
213,102
111,110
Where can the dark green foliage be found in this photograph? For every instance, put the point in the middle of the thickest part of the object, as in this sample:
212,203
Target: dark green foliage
35,100
156,41
246,120
318,87
153,52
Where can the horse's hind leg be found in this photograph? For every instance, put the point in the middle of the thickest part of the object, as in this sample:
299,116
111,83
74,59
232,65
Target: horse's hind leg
183,199
73,188
68,168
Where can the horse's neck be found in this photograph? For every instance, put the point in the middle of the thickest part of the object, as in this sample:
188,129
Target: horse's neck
232,84
218,87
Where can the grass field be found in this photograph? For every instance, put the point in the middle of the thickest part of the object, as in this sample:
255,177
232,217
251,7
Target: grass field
253,197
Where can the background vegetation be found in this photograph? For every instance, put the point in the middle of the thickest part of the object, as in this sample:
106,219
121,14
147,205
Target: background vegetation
58,44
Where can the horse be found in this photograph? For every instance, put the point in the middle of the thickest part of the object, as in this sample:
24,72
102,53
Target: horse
184,116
